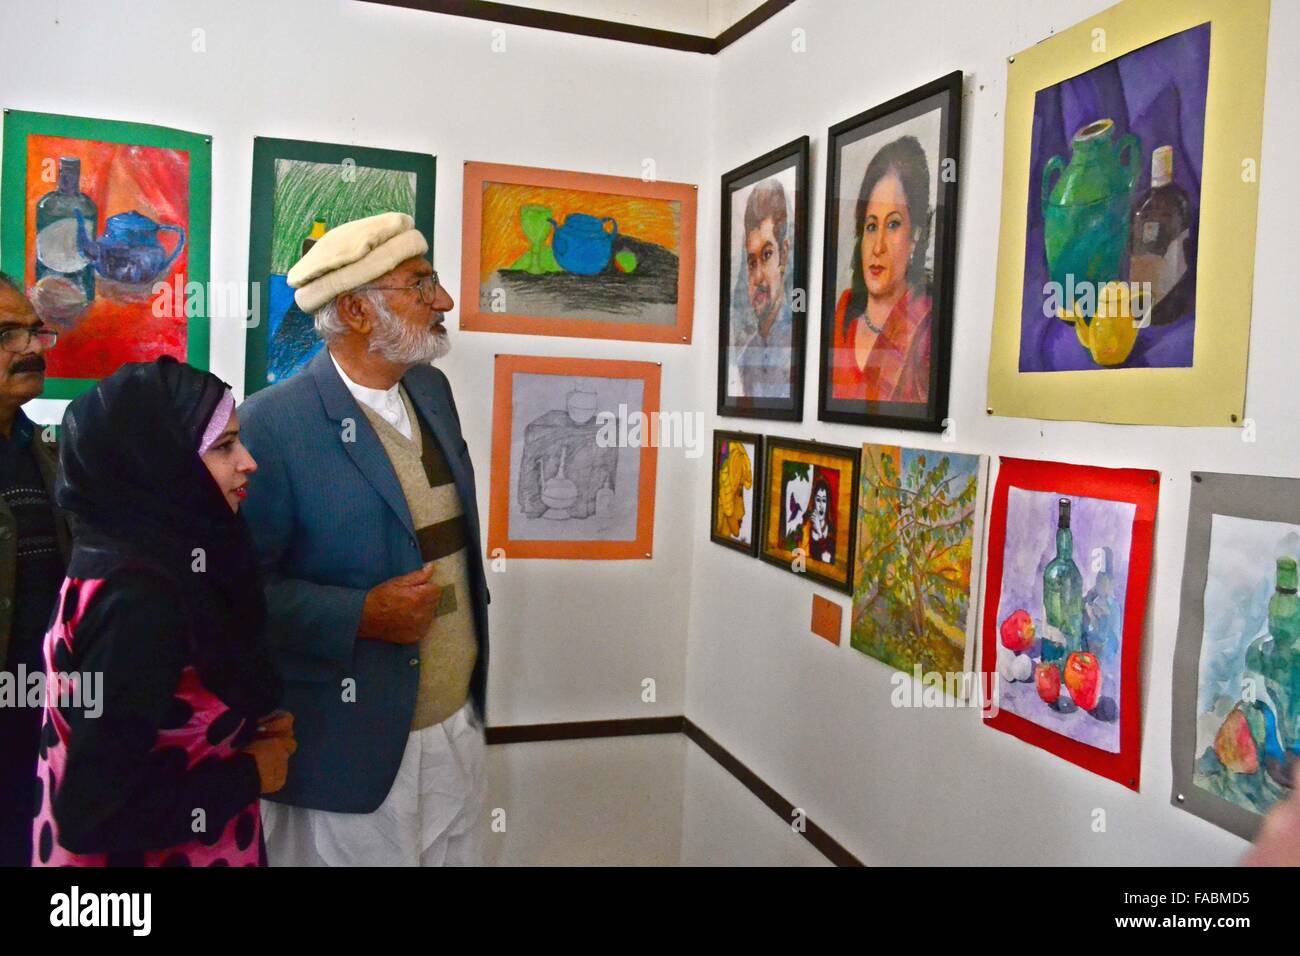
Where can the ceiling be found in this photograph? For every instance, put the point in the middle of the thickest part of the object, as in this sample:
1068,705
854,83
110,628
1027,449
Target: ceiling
700,17
696,26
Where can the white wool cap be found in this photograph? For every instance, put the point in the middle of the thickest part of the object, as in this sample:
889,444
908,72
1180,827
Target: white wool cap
352,254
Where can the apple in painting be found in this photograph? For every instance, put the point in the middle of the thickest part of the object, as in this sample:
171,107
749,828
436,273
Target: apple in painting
1018,632
1235,744
1083,677
1048,679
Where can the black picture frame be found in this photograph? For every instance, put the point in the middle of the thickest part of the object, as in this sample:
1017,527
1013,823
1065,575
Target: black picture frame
853,457
792,155
756,472
943,94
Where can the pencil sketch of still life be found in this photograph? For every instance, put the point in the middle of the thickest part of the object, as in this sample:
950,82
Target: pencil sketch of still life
570,480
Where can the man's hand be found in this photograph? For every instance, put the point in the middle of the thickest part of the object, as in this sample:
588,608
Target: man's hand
1278,841
272,748
401,609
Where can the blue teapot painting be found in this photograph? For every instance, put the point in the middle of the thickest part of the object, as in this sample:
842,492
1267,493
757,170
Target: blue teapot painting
583,246
128,258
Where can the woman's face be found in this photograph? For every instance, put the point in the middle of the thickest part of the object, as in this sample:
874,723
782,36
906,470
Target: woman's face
820,504
230,464
886,238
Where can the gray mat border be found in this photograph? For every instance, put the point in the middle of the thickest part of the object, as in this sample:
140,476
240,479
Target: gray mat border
1241,496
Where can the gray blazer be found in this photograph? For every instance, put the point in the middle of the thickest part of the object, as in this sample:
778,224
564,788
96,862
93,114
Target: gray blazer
329,521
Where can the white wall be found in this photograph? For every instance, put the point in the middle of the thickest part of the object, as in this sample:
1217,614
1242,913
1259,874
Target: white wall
814,721
571,640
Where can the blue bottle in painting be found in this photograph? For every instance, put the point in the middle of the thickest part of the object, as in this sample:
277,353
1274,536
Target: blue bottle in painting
57,232
1102,616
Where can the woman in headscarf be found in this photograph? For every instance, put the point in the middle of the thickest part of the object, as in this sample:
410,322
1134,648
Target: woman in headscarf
162,599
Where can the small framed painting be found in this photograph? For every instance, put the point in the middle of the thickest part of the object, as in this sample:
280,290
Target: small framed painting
1069,561
737,487
810,499
548,252
573,458
920,530
891,242
106,228
764,274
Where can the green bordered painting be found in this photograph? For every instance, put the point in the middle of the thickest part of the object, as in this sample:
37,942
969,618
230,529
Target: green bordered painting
105,225
300,191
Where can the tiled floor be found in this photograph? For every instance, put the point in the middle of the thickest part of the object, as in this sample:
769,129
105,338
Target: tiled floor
629,801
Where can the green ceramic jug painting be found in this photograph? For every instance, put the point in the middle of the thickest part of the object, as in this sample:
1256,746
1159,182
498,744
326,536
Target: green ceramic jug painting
534,220
1086,212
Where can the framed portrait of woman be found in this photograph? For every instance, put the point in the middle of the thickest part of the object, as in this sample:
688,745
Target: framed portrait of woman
891,238
763,286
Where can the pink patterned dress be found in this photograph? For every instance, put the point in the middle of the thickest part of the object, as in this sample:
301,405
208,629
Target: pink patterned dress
192,782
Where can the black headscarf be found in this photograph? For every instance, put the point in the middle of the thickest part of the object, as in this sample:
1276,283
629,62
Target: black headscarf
140,496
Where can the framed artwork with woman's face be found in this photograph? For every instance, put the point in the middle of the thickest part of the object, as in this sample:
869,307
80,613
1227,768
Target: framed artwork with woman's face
764,286
891,216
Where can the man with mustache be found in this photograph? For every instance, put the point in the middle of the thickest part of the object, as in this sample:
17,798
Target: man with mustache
765,360
34,547
364,515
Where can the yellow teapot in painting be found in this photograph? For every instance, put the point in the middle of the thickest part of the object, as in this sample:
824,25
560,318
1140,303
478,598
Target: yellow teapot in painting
1113,329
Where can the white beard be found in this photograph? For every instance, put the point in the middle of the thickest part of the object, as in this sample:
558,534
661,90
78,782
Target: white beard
404,344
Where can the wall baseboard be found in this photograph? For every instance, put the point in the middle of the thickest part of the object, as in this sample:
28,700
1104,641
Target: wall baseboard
638,726
583,729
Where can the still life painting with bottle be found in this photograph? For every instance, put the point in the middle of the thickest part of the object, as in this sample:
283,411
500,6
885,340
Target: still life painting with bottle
1069,561
99,216
1248,707
310,199
1113,206
1060,615
301,190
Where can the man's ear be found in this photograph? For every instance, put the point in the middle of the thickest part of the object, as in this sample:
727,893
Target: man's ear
355,313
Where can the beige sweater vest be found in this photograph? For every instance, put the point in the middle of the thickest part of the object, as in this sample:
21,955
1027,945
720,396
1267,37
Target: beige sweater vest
448,651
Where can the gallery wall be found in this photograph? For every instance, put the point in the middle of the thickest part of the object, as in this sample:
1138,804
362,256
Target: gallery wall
571,640
932,786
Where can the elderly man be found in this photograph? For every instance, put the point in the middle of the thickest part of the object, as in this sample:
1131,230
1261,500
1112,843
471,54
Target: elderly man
364,515
34,547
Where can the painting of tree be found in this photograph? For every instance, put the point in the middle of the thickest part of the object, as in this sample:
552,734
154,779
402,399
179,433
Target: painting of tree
918,518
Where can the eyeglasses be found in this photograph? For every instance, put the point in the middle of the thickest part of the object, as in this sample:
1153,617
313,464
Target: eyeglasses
428,288
16,338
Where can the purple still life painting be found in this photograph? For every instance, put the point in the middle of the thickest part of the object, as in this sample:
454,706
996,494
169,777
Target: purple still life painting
1095,538
1115,197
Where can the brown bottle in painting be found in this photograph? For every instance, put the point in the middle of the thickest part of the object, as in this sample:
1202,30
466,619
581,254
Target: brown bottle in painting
317,230
1160,242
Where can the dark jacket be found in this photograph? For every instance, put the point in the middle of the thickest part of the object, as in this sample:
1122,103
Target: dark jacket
329,522
47,460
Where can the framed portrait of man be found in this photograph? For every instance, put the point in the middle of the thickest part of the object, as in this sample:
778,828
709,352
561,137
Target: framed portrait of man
891,241
763,286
